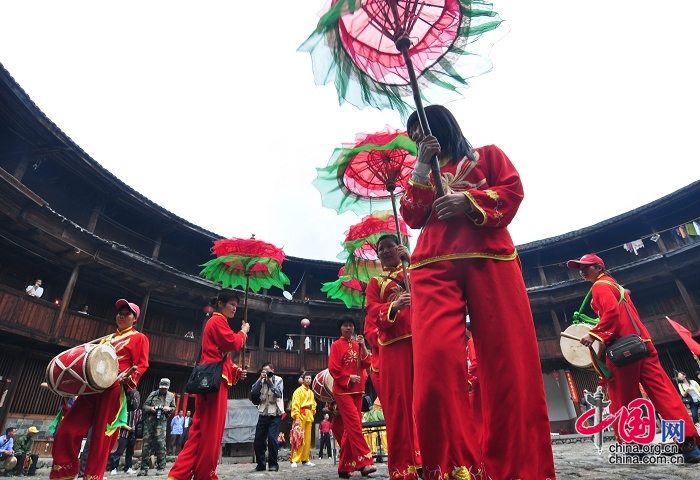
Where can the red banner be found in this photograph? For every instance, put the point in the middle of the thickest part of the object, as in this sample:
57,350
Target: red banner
572,386
686,336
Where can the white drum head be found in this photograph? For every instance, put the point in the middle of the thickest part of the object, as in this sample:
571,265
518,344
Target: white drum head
102,367
575,353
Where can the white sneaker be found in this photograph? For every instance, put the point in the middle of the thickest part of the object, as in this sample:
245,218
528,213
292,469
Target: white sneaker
130,471
114,472
294,464
309,464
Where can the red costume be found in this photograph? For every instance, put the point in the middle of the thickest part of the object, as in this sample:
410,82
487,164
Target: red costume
396,350
343,361
623,387
371,334
474,391
97,411
471,260
200,455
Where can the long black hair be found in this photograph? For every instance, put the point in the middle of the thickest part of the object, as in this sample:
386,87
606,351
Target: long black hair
444,127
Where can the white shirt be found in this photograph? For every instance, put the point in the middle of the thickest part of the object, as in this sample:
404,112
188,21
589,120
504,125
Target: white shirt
38,292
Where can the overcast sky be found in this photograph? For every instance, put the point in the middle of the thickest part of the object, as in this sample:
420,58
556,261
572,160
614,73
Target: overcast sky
207,109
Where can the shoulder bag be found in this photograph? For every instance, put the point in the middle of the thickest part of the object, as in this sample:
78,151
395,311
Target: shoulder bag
630,348
205,377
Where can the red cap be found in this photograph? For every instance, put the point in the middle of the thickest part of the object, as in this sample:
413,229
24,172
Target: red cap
132,306
587,259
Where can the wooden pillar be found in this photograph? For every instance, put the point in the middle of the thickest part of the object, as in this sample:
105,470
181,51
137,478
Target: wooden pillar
65,300
543,277
302,348
95,215
261,339
555,320
19,171
156,248
144,310
688,302
15,374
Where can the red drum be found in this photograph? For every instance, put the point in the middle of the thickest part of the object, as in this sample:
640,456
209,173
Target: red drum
82,370
323,386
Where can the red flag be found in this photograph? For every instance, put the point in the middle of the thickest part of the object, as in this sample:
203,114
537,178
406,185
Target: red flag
686,336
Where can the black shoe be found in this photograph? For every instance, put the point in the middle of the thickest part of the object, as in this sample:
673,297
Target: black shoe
142,473
691,453
259,468
274,468
344,475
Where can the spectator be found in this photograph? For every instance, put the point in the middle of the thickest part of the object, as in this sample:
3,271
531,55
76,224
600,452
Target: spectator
270,388
127,438
187,423
84,310
23,449
325,430
274,345
290,344
35,290
177,425
158,405
7,443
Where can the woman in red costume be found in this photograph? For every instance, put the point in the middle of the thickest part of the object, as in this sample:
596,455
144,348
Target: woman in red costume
200,455
371,336
615,322
347,364
465,255
388,305
100,409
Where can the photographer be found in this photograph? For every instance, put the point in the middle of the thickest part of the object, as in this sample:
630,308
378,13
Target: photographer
158,406
269,387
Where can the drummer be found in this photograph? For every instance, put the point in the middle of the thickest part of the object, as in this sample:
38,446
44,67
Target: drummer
98,410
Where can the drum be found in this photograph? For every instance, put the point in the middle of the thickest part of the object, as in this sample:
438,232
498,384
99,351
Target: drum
82,370
575,353
9,463
323,386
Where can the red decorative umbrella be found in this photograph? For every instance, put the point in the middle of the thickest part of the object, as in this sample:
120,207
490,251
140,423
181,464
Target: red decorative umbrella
347,288
360,245
380,51
368,172
245,262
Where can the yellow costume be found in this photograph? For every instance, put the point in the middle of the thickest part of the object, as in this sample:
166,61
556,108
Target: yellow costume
303,409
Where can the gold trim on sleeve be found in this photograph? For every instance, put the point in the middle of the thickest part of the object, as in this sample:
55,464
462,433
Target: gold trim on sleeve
393,340
477,209
421,186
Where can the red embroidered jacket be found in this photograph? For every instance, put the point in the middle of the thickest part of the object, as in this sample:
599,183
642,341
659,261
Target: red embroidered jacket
492,185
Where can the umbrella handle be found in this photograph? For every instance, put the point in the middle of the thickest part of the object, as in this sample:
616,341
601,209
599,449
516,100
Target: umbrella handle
402,44
398,235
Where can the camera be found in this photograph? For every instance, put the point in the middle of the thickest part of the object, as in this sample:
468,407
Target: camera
269,374
159,411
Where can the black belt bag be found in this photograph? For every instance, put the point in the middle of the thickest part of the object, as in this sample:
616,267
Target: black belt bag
628,349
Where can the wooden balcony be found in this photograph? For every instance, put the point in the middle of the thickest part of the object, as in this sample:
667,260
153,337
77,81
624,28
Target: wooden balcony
37,319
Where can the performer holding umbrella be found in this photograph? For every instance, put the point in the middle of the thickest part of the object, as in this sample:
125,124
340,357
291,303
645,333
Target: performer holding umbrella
465,256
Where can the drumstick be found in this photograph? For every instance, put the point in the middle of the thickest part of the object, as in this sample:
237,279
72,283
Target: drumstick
570,337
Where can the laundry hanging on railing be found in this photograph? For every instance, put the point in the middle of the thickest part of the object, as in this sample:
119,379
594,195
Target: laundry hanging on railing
634,246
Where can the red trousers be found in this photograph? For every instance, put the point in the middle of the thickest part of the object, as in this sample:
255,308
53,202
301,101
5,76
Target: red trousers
515,435
94,411
354,452
200,455
402,438
376,383
624,387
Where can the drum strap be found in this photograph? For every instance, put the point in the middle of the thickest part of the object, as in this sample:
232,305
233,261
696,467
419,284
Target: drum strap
7,440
